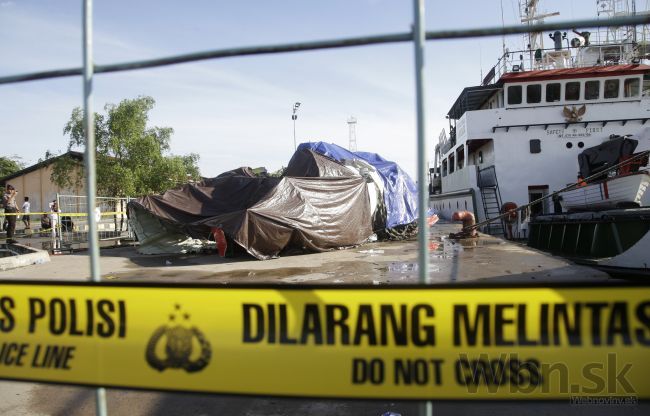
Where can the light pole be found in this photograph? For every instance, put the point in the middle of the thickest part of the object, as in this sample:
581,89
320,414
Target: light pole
294,116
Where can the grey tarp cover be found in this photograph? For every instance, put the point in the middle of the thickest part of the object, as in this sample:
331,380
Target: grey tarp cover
267,216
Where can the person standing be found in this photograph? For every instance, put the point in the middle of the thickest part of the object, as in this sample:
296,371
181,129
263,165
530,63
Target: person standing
54,222
26,210
9,204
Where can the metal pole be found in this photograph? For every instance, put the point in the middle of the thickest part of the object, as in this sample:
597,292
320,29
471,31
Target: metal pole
89,166
426,408
418,37
294,132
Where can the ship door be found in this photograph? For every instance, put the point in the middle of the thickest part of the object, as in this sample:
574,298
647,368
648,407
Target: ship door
536,192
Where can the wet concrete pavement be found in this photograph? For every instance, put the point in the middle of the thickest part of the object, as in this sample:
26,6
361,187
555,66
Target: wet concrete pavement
383,263
484,259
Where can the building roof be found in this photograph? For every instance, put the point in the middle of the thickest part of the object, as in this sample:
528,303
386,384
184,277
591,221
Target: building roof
74,155
585,72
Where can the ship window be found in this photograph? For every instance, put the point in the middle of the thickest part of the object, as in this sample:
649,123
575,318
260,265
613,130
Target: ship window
631,87
592,90
572,91
480,157
535,146
646,86
452,163
444,167
552,92
534,93
514,94
460,153
611,88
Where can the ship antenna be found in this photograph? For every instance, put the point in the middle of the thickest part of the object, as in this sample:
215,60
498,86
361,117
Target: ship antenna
352,133
503,37
480,58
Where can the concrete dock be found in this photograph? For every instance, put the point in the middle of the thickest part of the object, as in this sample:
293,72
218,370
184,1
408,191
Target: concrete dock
394,262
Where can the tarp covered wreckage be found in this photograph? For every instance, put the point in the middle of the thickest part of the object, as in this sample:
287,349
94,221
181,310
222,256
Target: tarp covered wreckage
318,205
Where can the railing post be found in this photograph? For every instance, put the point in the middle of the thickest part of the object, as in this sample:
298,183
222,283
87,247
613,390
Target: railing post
423,195
89,165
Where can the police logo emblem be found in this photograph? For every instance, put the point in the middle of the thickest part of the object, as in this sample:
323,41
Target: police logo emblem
179,342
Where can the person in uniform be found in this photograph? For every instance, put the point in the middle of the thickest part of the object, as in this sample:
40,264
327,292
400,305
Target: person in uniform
9,204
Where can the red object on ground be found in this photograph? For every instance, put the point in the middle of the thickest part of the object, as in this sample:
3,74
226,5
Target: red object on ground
510,209
220,239
432,219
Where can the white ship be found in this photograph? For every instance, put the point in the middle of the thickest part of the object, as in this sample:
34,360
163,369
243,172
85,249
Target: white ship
517,136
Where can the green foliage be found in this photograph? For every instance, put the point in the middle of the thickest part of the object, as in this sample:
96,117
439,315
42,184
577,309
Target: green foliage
48,155
132,159
278,173
9,165
67,172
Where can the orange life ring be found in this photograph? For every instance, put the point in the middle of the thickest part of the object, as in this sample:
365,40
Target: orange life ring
509,208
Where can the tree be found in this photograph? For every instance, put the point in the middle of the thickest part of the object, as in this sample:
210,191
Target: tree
9,165
132,158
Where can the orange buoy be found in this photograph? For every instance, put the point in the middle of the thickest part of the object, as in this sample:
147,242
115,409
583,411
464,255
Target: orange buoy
509,208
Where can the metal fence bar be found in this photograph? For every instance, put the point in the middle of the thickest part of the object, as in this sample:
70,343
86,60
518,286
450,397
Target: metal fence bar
423,194
89,165
327,44
426,407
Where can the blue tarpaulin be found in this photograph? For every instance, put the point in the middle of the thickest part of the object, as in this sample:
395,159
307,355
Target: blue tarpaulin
400,192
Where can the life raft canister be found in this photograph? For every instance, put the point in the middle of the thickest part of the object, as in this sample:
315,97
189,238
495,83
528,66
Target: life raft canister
509,208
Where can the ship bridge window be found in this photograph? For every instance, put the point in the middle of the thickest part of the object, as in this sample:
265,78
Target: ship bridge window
460,154
631,87
444,167
611,88
553,92
646,86
592,90
572,91
514,94
452,163
534,93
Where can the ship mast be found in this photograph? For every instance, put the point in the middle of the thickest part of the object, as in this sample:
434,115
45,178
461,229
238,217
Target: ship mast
535,39
635,38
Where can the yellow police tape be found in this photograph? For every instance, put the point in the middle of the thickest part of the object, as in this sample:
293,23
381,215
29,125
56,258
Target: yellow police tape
62,214
397,343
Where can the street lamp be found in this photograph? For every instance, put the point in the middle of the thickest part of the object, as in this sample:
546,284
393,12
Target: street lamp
294,116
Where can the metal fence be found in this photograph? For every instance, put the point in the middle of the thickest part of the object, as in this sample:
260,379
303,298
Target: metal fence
417,36
71,225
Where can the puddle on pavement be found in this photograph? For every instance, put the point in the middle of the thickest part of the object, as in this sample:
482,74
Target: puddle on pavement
376,265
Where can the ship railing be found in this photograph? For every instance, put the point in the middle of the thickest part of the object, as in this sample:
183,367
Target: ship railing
569,57
525,208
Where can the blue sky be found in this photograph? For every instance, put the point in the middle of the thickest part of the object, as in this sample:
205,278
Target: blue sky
237,112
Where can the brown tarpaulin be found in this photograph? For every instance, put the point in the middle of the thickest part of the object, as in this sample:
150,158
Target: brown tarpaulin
267,216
